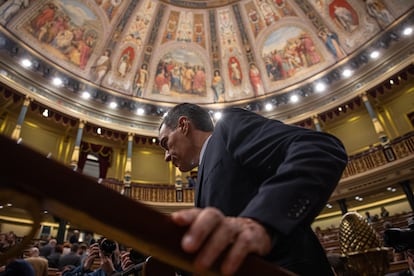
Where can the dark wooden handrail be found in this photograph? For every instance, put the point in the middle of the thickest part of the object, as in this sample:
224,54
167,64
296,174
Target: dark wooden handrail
84,202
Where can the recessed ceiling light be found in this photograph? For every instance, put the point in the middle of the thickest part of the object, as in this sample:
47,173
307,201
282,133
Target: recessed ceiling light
374,54
57,81
140,111
294,98
113,105
26,63
347,73
320,87
268,107
86,95
408,31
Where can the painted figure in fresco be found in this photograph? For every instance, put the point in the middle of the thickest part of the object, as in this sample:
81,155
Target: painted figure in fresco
379,12
141,79
188,78
344,15
125,62
332,43
311,55
256,80
111,7
235,71
176,76
58,34
199,81
10,8
43,19
218,87
162,82
103,65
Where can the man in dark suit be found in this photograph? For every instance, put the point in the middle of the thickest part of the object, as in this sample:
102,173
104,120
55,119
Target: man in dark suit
260,185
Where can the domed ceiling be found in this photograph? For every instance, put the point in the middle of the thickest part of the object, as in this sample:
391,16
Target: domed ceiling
215,53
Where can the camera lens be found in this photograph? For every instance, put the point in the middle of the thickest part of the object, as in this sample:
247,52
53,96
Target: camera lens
107,246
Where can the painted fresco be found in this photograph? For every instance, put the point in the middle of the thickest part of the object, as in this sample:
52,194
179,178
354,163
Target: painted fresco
287,51
180,73
227,54
263,13
63,29
110,7
185,27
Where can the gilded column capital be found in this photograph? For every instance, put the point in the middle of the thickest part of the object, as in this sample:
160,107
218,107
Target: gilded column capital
82,123
364,96
27,101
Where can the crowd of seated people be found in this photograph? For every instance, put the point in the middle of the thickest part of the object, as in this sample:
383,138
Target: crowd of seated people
47,259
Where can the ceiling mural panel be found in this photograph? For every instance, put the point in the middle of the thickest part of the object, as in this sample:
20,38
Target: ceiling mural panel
204,52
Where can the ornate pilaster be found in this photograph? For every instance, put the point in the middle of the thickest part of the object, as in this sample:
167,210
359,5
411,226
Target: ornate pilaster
128,166
382,136
178,185
75,155
317,123
17,129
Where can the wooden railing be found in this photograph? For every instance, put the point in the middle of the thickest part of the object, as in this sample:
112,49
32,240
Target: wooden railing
34,183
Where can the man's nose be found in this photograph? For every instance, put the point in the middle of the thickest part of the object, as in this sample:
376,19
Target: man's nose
167,156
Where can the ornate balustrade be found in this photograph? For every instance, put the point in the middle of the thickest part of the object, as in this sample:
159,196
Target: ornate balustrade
381,165
379,156
154,193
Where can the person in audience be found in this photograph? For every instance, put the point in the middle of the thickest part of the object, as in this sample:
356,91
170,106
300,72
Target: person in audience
261,183
191,182
109,263
384,212
17,267
368,217
53,259
71,259
3,242
83,251
48,249
387,225
75,237
66,248
39,264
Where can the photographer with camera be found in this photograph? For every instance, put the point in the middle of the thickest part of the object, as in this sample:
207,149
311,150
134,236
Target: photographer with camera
402,240
111,260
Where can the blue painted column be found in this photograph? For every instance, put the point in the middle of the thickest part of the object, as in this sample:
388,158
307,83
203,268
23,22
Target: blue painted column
317,123
17,129
382,136
75,155
128,167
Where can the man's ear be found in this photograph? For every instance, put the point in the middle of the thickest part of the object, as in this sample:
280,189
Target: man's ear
183,124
